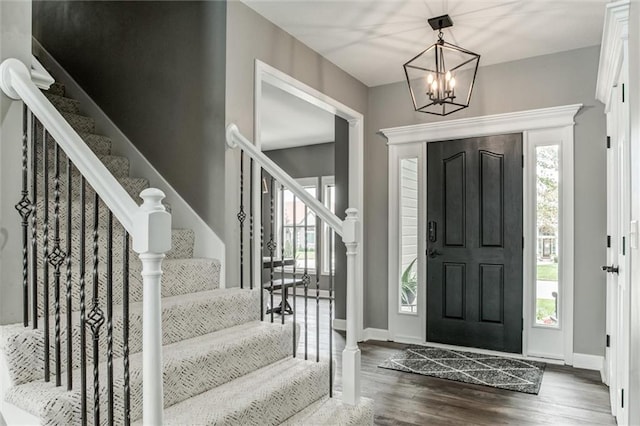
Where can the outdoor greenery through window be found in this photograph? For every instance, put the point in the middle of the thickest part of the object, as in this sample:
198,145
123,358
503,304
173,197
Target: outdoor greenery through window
547,216
299,225
295,217
408,284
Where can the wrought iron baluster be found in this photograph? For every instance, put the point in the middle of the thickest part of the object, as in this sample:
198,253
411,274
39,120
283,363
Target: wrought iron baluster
318,231
330,311
83,331
24,208
261,255
96,316
68,258
271,245
45,253
241,217
125,328
306,280
295,237
56,257
110,317
251,236
283,290
34,225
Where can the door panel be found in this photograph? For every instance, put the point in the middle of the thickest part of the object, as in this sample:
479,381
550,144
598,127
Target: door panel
474,269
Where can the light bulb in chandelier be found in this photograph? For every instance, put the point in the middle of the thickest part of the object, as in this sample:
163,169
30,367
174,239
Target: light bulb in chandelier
447,76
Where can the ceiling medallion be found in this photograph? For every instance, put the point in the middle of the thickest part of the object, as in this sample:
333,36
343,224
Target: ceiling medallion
441,77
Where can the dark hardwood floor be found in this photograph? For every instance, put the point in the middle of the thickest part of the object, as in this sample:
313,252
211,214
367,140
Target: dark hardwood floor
567,395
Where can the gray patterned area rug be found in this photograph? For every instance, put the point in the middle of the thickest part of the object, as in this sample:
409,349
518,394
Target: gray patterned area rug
496,371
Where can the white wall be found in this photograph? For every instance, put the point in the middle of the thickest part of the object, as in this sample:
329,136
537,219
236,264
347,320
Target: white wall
15,42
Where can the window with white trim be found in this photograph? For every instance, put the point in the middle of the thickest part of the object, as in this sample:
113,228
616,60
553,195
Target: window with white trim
296,223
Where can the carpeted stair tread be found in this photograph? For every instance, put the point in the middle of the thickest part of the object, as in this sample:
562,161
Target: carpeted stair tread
332,411
179,276
240,350
63,104
183,317
267,396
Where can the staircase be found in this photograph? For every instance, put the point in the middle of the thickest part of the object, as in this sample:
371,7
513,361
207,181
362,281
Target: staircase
220,363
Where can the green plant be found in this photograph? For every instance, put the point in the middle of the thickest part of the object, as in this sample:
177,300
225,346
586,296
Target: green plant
409,284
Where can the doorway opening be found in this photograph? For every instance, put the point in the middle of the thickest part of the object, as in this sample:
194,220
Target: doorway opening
349,127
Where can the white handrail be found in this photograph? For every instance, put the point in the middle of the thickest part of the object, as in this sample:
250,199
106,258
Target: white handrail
235,138
16,83
349,231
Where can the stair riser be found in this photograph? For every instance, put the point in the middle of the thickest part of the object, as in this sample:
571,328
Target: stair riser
178,277
133,186
182,242
100,145
64,104
79,123
117,166
25,352
201,372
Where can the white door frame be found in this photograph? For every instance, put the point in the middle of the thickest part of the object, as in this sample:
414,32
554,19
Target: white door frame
283,81
553,124
612,71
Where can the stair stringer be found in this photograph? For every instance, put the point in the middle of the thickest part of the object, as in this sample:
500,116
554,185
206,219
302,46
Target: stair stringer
208,244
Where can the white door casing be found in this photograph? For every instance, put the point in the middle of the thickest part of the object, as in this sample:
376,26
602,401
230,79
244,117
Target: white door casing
612,89
539,127
283,81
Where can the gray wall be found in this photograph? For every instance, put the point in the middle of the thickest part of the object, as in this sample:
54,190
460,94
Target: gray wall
545,81
306,161
15,42
157,69
250,37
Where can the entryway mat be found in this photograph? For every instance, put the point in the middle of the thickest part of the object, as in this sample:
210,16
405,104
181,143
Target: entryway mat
468,367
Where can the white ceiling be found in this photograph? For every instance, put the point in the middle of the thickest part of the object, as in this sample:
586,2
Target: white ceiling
371,39
287,121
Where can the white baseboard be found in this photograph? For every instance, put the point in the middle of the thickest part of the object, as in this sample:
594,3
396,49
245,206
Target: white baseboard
588,362
375,334
207,243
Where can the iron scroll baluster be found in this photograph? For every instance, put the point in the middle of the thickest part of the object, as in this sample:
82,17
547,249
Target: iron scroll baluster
55,258
24,208
68,285
95,318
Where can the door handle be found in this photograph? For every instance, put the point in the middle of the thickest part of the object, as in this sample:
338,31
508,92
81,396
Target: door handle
611,269
433,253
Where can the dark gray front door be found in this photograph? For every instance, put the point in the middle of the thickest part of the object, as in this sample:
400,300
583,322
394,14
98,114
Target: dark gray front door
474,241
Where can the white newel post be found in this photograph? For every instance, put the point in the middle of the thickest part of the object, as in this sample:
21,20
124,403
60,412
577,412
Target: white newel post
351,353
151,239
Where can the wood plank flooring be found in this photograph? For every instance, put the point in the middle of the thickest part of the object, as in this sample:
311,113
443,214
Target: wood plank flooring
567,395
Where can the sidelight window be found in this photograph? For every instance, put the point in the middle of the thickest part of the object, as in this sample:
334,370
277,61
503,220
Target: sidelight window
547,192
408,279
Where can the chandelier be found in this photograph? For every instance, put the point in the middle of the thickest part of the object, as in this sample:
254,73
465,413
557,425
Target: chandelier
441,77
